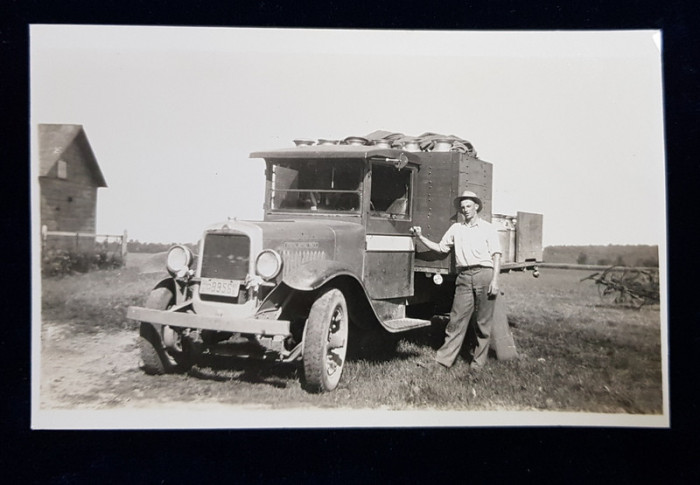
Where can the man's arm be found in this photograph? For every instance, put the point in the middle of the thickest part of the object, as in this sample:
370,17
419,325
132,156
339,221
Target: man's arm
493,286
494,245
418,232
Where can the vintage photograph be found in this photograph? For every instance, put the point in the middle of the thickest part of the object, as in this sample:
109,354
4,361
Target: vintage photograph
299,228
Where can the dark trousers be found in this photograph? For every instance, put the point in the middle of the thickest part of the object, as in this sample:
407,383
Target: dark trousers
471,295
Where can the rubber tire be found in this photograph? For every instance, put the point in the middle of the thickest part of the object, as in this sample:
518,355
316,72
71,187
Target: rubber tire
156,359
329,307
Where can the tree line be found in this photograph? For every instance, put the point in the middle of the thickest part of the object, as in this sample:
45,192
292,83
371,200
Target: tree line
619,255
133,246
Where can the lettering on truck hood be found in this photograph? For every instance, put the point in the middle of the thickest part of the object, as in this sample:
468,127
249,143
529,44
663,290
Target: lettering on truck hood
301,241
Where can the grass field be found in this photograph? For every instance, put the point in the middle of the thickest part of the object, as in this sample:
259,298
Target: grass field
576,355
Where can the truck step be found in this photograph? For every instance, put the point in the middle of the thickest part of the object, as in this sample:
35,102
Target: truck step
403,324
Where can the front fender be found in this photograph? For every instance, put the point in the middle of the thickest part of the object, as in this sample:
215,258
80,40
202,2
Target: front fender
179,289
168,282
315,274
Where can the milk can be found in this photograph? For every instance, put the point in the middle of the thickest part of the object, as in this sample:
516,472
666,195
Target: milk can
505,227
442,145
355,140
410,145
381,143
303,142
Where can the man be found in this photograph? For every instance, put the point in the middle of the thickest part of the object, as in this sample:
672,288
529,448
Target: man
478,259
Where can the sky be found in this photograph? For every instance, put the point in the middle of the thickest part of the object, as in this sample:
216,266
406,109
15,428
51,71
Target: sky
571,121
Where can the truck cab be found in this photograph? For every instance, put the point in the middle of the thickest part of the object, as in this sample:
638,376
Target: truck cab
332,262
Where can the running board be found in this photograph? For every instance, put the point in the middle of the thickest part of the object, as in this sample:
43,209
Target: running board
404,324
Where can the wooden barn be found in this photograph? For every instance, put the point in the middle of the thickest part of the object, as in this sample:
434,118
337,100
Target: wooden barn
69,177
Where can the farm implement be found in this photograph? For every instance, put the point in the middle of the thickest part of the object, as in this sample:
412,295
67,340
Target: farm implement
627,286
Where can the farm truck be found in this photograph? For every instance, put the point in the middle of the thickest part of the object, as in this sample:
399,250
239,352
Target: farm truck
332,266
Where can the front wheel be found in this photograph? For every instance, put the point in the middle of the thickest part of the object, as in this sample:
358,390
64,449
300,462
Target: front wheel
325,341
156,358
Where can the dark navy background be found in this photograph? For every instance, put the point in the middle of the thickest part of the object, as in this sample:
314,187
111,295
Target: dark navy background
357,456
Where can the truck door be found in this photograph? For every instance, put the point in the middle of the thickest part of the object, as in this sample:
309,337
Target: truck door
388,268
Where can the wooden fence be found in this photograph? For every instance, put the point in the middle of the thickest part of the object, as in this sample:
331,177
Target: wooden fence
83,242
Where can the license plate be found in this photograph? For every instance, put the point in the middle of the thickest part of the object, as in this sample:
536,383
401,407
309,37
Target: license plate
214,286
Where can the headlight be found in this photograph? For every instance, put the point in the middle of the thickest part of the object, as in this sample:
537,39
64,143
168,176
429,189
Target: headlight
268,264
179,260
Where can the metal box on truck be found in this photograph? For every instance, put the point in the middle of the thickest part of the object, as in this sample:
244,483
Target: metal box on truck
445,175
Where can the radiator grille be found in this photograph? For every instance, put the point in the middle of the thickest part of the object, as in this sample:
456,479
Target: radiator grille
226,256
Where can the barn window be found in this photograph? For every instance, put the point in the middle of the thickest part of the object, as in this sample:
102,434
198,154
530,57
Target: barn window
62,169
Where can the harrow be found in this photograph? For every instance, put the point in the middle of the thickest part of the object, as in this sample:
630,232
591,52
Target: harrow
627,286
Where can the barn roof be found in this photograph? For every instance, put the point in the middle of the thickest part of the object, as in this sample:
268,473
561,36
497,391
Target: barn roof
55,139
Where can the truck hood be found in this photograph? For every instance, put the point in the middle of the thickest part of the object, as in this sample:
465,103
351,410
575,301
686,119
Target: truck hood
302,240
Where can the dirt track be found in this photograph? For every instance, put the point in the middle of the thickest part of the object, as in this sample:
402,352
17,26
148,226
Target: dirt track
83,370
89,359
94,370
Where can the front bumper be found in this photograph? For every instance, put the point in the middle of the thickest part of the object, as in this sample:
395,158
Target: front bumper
254,326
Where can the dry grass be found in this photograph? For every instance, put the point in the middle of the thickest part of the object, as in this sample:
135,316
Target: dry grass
578,355
96,301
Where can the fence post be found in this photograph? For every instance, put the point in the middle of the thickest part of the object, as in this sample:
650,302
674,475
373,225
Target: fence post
124,248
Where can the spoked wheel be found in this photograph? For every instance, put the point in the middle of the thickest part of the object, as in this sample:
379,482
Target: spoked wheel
156,358
610,288
325,341
641,287
624,286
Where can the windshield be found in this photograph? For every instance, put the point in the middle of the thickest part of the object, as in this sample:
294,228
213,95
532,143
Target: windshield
316,185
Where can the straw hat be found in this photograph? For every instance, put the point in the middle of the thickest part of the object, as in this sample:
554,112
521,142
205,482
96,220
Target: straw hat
468,194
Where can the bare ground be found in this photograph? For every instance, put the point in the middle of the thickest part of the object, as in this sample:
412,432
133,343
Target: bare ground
86,370
579,357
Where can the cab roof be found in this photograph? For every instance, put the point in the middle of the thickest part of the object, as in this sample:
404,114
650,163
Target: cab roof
364,152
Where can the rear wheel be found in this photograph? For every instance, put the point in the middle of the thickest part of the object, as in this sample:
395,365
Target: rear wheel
325,341
622,285
156,358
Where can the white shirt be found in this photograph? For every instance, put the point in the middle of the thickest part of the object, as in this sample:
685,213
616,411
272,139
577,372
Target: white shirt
474,244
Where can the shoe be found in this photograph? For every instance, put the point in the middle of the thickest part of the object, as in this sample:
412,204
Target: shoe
474,374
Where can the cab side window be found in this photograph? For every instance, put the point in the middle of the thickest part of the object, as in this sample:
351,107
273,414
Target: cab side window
391,192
